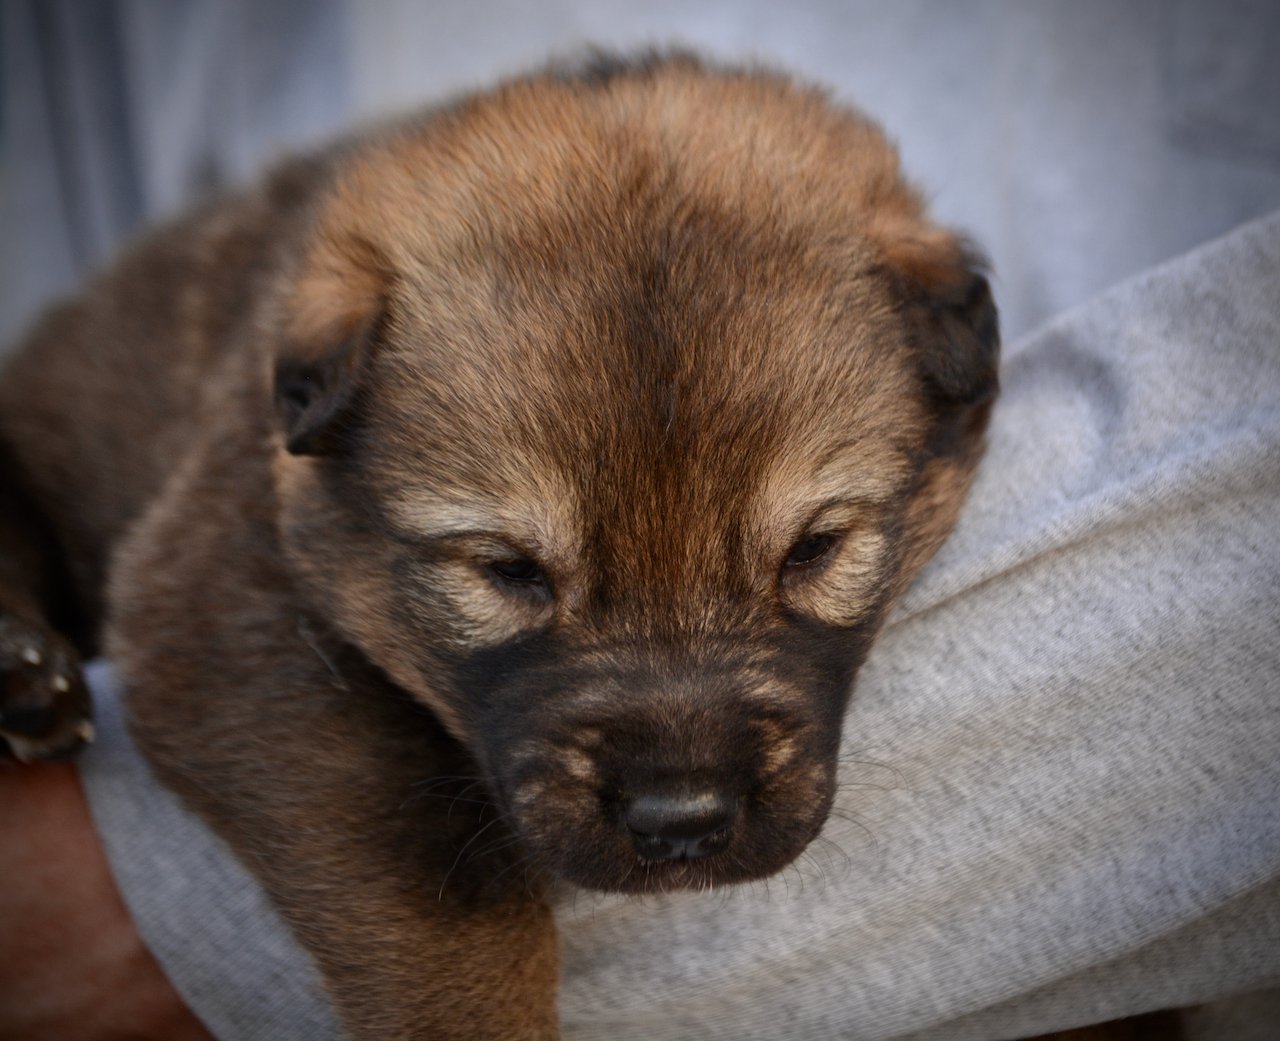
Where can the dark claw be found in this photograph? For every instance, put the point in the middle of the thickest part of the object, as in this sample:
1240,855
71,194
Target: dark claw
44,702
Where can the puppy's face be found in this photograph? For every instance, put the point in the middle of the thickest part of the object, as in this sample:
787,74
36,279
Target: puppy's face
616,417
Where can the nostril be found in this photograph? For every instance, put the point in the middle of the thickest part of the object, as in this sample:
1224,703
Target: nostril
687,825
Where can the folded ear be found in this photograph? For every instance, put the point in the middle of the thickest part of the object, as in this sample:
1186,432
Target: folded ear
950,314
958,340
954,334
317,390
336,317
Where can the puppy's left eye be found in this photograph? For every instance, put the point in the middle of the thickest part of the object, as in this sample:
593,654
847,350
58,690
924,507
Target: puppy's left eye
810,550
520,571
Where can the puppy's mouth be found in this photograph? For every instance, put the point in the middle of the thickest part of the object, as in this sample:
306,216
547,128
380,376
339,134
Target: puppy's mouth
613,833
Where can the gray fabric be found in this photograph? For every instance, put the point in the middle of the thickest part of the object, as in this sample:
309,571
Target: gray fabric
1061,790
118,113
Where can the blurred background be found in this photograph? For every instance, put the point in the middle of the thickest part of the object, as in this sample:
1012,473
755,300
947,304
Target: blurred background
1079,142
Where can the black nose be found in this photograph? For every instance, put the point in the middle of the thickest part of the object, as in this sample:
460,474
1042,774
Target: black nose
680,827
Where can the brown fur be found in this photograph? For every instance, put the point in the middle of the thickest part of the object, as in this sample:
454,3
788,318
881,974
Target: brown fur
642,332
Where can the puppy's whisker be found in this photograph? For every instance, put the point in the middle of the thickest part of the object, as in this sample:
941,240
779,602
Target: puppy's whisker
445,797
829,845
524,862
458,859
426,790
496,846
433,782
865,786
309,637
852,818
851,759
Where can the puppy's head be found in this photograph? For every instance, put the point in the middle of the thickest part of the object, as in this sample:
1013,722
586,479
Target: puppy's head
616,413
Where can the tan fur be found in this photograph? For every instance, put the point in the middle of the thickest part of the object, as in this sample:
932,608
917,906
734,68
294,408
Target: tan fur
641,331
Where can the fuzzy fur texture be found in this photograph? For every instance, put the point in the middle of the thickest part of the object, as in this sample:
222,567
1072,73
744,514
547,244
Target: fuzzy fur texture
464,488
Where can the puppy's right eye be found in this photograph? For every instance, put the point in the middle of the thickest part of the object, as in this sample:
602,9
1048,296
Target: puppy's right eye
520,572
810,550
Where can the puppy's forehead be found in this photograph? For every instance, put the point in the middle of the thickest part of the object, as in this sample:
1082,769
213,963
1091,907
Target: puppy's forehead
644,297
639,368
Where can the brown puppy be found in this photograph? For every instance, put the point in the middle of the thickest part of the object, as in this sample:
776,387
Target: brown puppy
575,438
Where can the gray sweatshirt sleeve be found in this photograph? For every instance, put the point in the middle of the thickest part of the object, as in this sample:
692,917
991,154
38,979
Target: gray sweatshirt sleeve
1060,793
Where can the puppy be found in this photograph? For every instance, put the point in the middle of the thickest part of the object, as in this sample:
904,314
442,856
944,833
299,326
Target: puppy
502,500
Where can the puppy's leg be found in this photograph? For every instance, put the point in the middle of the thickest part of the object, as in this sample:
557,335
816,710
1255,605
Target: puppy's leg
44,703
361,819
346,798
97,403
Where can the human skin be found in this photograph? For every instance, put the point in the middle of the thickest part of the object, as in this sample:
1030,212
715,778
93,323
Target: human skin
72,965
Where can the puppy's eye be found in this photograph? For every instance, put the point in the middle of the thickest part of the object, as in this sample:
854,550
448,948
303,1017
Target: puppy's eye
810,550
519,571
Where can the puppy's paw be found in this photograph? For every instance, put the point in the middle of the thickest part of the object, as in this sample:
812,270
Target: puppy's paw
44,702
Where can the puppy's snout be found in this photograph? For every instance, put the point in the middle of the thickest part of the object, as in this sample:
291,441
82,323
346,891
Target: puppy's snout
682,826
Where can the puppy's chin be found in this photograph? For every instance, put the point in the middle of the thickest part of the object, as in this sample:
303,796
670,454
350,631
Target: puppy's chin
617,867
638,877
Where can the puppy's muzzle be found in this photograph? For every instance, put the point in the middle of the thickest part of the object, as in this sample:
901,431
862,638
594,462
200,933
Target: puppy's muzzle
680,826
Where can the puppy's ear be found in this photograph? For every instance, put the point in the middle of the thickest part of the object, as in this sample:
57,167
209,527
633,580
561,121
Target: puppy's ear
951,325
337,311
957,335
950,314
317,390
